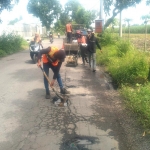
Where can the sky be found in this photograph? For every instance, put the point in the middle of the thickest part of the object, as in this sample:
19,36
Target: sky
133,13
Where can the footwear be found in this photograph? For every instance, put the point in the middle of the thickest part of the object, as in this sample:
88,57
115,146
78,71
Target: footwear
86,61
94,70
47,96
64,91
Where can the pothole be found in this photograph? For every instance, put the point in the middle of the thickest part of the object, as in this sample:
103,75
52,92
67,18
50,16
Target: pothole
79,143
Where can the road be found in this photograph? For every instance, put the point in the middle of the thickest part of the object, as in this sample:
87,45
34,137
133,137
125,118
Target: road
95,118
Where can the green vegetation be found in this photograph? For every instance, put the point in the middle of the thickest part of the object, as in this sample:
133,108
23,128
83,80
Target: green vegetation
135,29
130,71
11,43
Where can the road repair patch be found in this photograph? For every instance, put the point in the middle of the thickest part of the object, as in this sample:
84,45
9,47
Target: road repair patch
60,102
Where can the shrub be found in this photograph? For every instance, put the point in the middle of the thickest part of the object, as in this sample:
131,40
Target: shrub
107,38
123,47
137,99
2,53
106,56
10,43
131,69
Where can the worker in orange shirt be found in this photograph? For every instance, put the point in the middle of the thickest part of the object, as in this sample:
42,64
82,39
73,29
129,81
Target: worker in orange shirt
83,47
52,58
69,31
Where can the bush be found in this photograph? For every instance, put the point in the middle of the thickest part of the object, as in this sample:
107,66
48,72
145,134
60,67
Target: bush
107,38
131,69
10,43
123,47
2,53
106,57
137,99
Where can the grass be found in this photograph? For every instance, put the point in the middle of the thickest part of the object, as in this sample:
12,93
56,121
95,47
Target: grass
11,43
129,67
138,40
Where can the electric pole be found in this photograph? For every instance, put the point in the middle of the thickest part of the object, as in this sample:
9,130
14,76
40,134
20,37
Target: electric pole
101,9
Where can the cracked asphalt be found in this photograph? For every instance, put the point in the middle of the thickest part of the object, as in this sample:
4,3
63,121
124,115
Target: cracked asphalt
95,118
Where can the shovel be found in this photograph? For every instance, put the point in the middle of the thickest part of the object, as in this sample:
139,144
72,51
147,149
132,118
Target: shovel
57,94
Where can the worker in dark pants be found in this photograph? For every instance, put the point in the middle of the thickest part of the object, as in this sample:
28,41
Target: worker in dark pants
69,32
83,47
52,58
92,42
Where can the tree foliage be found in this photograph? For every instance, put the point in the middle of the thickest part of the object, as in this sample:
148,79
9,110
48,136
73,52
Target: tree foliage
46,10
148,2
7,4
12,22
78,13
118,6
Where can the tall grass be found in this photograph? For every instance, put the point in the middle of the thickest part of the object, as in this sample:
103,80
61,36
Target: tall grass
11,43
138,100
128,68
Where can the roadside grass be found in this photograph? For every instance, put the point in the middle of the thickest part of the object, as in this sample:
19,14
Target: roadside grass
130,71
138,40
137,98
11,43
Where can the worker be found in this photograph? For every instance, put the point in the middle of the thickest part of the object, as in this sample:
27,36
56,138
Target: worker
69,32
52,58
83,47
92,42
36,39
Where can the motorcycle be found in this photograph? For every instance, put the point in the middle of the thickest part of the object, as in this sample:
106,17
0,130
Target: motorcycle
51,38
34,49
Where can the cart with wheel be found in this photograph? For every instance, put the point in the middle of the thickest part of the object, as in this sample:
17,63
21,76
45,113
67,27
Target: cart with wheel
72,52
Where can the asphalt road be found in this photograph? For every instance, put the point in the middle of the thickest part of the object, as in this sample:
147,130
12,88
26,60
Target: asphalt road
95,118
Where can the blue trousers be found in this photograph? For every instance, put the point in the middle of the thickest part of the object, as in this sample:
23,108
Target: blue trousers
92,60
46,67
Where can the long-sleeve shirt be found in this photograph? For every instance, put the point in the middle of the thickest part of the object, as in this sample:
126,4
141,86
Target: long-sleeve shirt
55,69
92,42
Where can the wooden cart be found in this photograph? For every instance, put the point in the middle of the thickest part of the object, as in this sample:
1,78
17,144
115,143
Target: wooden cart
72,52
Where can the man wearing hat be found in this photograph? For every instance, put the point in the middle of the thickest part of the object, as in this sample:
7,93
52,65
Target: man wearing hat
52,58
92,42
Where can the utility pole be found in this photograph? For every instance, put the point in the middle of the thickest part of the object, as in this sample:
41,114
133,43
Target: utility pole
101,9
99,24
120,28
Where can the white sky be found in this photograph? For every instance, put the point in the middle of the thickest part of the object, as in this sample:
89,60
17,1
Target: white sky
133,13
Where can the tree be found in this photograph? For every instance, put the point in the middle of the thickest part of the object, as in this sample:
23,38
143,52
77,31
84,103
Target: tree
148,2
83,16
146,19
46,10
128,22
118,6
12,22
7,4
78,13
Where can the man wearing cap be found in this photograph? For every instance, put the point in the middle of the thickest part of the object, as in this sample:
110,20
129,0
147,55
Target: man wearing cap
92,42
52,58
69,31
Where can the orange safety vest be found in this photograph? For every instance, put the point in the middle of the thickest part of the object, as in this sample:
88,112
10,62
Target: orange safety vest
82,40
51,54
68,27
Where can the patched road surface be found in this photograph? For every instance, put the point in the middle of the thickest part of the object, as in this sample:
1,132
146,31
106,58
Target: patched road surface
95,118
